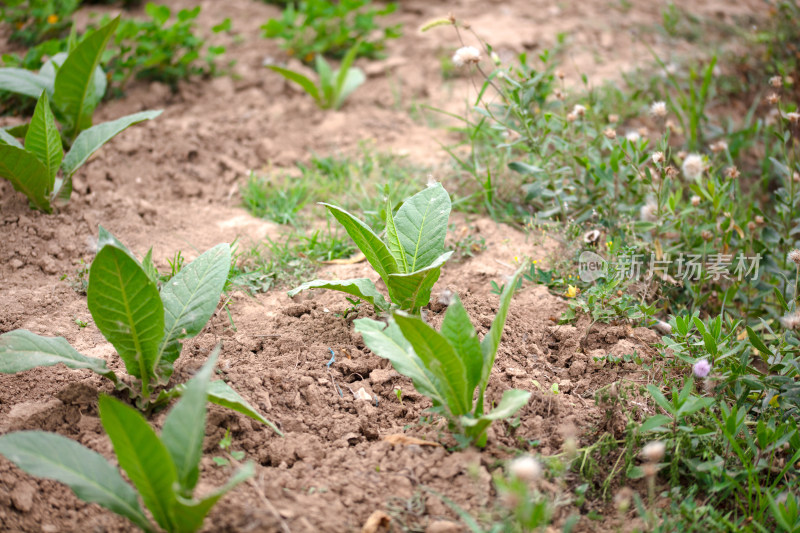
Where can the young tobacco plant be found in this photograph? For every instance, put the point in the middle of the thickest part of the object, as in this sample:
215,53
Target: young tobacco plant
334,86
164,470
145,325
410,258
448,365
68,88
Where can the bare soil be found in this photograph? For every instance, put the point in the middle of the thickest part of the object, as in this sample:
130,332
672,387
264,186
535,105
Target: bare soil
173,184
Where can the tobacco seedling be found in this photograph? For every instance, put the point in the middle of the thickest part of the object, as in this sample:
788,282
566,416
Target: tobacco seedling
334,86
164,470
68,88
448,365
410,258
145,325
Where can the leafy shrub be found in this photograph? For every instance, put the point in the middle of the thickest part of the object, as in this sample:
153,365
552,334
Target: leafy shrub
34,21
333,86
164,470
146,326
410,259
311,27
447,366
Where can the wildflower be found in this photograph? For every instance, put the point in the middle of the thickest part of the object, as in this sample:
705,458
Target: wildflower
558,93
571,117
695,201
671,171
649,212
609,244
653,451
672,126
793,117
643,132
719,146
466,55
751,226
572,291
52,19
776,81
613,118
773,99
658,157
706,235
658,109
525,468
633,136
759,220
693,166
560,74
791,321
579,110
732,173
701,368
610,133
794,256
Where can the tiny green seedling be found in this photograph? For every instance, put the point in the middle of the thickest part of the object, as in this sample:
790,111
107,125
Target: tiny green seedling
225,445
164,470
448,365
334,86
409,260
68,88
145,325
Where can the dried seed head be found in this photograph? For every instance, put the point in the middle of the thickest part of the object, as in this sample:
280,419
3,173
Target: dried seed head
732,173
791,321
706,235
466,55
719,146
658,109
560,74
622,499
776,81
695,201
751,226
613,118
571,117
794,257
758,219
658,157
610,133
643,131
525,468
653,451
570,447
773,99
579,110
671,171
693,166
649,212
793,117
701,368
446,21
558,93
633,136
796,177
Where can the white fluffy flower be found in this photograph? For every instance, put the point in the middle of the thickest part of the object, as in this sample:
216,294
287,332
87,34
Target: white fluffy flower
466,55
649,212
693,166
658,109
579,110
654,451
633,136
525,468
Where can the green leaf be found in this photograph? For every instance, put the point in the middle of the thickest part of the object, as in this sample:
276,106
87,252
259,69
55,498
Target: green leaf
422,226
105,237
757,343
441,359
25,82
393,241
360,287
460,333
27,175
660,399
189,514
220,393
75,91
491,341
126,308
303,81
353,79
185,426
142,456
22,350
189,299
19,131
91,139
43,139
654,423
86,472
9,139
512,401
412,291
326,82
370,244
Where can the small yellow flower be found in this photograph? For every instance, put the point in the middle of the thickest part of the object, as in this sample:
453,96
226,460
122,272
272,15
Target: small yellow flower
516,259
609,243
535,261
572,291
774,400
52,19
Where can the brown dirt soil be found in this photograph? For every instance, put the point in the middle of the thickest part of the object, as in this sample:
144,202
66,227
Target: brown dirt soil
173,183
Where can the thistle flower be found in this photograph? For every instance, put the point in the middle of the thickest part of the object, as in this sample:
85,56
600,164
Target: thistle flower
791,321
732,173
525,468
658,157
658,109
579,110
610,133
701,368
466,55
794,257
693,166
776,81
653,451
695,201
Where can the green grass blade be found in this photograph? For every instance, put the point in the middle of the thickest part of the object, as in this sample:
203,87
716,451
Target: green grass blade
360,287
142,456
43,139
422,226
306,83
86,472
22,350
460,333
220,393
189,299
126,308
27,174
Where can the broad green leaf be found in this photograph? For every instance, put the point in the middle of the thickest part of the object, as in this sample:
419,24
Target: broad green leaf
460,333
441,359
660,399
91,139
326,82
105,237
757,343
370,244
654,423
412,291
26,173
220,393
491,341
126,308
43,139
388,342
189,299
7,138
22,350
393,241
304,82
422,226
185,427
86,472
25,82
75,91
19,131
360,287
189,514
149,267
513,400
142,456
354,78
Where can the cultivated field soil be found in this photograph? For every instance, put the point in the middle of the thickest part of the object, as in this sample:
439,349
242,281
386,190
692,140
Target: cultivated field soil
173,184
